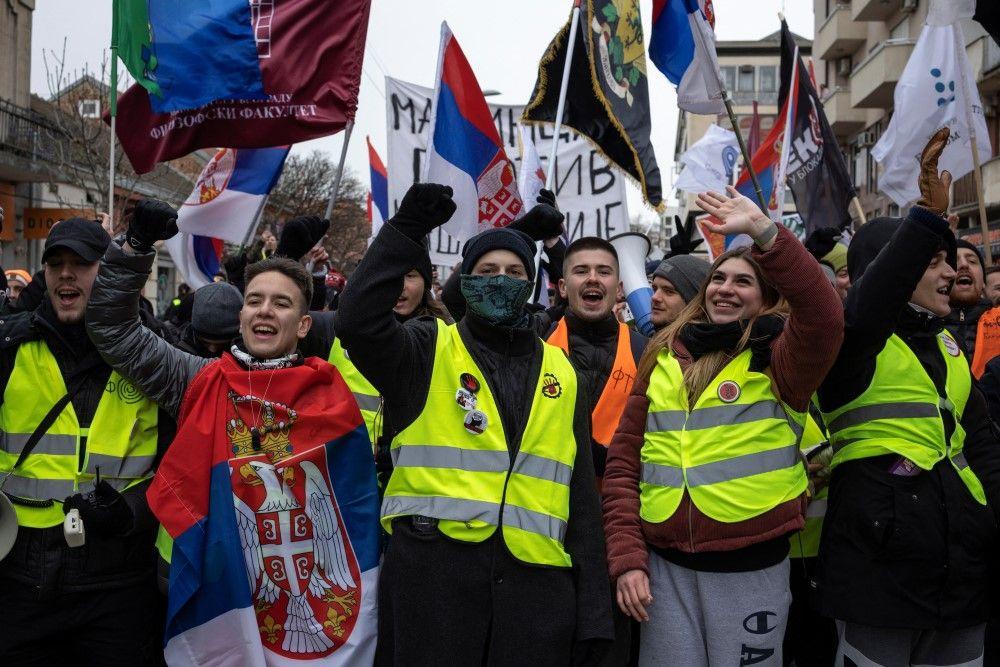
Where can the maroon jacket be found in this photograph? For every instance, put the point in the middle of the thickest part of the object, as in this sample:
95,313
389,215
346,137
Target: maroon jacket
801,355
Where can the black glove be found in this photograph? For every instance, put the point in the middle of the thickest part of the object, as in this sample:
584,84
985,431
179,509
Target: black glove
152,221
425,207
821,241
681,243
543,221
300,235
103,510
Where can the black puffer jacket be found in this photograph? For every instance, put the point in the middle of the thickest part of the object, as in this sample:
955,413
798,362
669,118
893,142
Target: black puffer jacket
905,551
963,322
40,557
398,359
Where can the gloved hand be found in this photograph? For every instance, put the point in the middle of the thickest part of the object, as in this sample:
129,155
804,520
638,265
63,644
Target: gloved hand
934,186
103,510
681,242
300,235
544,221
152,221
821,241
425,207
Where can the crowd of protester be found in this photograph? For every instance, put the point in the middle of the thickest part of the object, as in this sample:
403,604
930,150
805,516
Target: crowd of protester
799,466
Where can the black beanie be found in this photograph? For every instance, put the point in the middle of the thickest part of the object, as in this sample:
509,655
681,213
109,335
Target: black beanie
425,269
515,241
873,236
962,243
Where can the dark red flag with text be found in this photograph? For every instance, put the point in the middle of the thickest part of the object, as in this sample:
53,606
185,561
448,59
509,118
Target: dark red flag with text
310,54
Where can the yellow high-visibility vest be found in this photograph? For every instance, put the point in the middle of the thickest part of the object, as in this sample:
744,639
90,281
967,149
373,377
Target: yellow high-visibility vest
368,398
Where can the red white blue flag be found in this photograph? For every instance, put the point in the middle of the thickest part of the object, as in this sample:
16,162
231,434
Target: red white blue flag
198,258
275,535
465,150
378,196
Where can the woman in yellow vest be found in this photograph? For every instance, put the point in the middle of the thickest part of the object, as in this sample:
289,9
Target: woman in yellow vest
495,554
705,481
909,546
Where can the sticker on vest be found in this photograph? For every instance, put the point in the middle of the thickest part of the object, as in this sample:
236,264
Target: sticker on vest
469,382
476,422
465,399
125,390
550,386
950,345
729,391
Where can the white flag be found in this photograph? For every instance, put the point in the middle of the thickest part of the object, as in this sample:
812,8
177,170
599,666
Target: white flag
709,163
945,12
530,175
937,89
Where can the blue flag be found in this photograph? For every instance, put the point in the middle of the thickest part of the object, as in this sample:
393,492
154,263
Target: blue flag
204,51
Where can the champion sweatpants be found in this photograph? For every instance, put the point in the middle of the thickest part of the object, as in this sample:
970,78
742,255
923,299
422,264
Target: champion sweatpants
715,618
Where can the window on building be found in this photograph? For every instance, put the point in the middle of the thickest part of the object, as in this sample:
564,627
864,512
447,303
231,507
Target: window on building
90,108
860,165
901,30
729,76
768,79
745,81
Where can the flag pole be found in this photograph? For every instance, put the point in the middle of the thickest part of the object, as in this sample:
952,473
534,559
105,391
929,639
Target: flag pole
340,170
856,203
113,110
976,164
574,22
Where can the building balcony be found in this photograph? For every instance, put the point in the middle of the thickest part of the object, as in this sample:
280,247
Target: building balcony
844,119
874,78
874,10
839,35
963,194
26,133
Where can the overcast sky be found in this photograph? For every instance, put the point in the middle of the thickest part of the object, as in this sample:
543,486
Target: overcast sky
503,48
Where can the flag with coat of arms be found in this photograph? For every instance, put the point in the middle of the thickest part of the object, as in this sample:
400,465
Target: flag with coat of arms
465,150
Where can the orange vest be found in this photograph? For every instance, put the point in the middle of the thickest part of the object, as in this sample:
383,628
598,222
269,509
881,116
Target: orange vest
609,408
987,341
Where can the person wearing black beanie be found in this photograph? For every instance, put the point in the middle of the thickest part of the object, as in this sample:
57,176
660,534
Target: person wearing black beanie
967,299
907,552
483,417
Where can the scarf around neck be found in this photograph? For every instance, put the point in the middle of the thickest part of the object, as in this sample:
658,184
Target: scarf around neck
253,363
700,338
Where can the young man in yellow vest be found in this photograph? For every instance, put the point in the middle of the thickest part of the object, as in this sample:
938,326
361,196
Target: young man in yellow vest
909,544
495,554
77,438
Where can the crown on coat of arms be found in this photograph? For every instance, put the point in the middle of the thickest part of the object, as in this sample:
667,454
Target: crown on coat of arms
270,436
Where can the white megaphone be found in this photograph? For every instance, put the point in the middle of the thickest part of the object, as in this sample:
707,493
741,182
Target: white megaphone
8,525
632,249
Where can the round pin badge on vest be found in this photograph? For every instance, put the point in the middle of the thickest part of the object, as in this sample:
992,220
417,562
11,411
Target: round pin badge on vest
476,422
729,391
469,382
950,345
466,399
73,528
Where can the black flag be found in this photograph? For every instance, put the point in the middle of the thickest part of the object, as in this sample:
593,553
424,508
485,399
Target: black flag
607,100
817,174
988,15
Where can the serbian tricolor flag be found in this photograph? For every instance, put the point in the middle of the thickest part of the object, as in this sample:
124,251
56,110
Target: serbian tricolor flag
230,191
269,494
198,258
682,46
465,151
378,196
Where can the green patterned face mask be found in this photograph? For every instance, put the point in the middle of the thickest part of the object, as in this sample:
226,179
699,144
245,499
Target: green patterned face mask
497,299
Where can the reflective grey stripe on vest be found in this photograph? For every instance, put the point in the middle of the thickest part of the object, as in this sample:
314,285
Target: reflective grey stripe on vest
434,456
661,475
38,489
56,445
114,466
367,402
867,413
534,522
743,466
718,415
960,461
816,509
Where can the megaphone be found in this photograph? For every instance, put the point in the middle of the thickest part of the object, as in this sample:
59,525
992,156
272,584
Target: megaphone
8,525
632,249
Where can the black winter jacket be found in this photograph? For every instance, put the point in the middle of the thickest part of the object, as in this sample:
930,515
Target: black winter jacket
896,551
963,322
40,557
398,359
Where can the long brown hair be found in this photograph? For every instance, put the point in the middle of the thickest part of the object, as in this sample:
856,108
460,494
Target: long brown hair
700,372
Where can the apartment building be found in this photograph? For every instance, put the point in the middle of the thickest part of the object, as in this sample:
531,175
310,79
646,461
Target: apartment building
751,70
860,50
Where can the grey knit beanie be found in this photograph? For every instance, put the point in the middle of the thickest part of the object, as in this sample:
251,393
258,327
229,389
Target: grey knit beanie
215,313
685,272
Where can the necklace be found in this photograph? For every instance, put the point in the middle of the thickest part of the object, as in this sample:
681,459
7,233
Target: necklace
256,431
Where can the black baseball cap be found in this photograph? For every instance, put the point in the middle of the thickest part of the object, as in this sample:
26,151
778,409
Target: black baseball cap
84,237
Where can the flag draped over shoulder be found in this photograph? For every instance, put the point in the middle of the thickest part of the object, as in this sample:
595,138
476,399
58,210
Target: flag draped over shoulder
607,99
275,536
230,191
465,150
187,53
931,95
309,54
816,172
682,46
